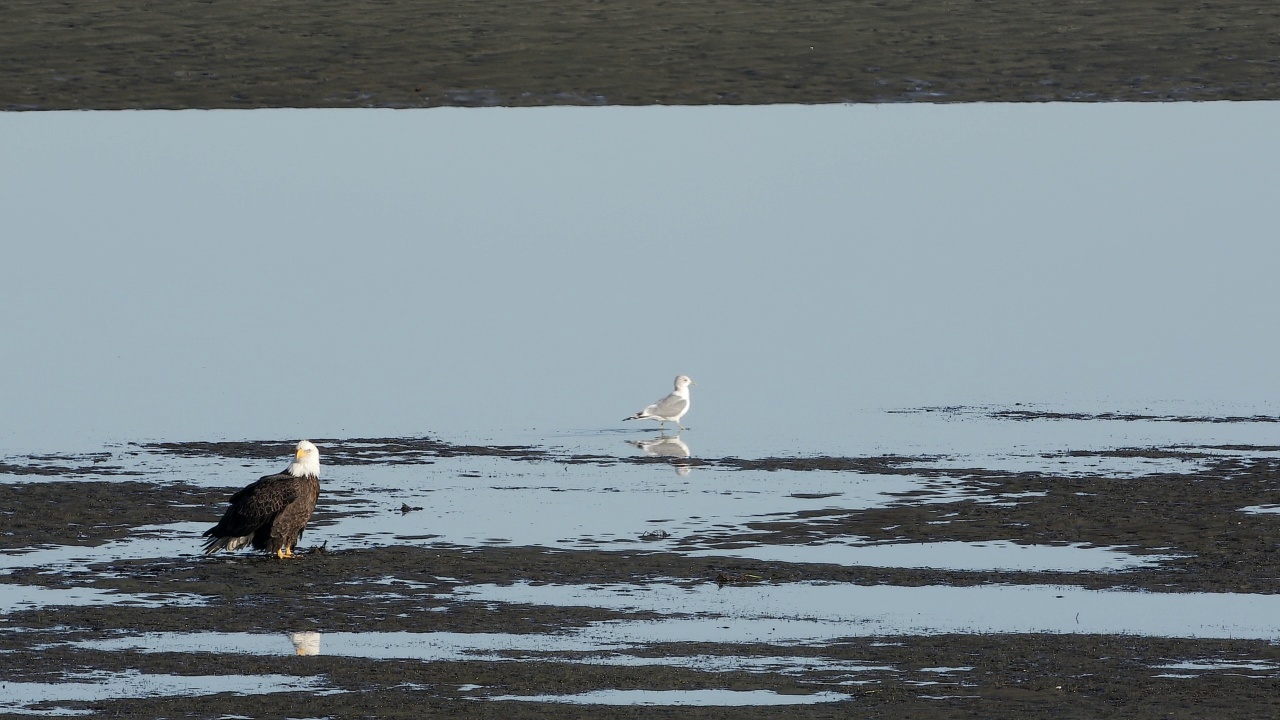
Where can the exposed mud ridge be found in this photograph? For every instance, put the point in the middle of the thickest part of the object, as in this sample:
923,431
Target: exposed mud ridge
1029,415
325,53
352,451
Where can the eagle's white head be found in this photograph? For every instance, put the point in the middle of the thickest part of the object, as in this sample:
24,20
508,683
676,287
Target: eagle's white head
306,460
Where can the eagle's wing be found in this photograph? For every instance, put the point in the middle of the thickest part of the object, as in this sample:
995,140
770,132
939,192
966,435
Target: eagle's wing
256,505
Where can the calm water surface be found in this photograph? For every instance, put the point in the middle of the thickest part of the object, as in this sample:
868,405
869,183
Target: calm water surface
526,275
837,280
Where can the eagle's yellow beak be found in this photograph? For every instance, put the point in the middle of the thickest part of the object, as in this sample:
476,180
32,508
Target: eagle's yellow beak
300,453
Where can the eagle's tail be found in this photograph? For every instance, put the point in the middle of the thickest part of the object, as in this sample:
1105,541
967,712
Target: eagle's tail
226,543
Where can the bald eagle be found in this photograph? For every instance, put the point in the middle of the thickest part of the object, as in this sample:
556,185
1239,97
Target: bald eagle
670,408
271,512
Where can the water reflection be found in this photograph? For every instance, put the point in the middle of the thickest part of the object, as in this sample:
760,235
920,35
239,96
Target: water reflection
666,446
663,446
306,642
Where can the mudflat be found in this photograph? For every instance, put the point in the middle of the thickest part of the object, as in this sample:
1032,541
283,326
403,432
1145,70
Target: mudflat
427,53
460,630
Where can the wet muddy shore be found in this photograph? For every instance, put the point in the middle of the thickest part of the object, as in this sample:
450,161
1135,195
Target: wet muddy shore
1191,520
238,54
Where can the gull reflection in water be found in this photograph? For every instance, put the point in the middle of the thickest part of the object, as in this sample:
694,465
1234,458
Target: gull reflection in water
666,446
306,642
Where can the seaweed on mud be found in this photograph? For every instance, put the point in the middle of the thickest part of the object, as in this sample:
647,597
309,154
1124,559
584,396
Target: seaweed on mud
1026,415
65,466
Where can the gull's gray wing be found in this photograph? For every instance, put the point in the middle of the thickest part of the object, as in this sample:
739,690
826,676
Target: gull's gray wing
669,406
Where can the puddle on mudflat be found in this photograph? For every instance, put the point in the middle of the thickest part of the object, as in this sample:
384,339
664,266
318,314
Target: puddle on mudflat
429,647
960,556
20,697
148,541
808,612
703,698
602,644
1196,668
14,598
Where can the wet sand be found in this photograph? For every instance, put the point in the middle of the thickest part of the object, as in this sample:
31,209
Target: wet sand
1192,519
329,53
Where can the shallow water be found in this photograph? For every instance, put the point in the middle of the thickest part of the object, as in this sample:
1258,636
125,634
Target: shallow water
550,270
967,310
993,555
26,597
99,685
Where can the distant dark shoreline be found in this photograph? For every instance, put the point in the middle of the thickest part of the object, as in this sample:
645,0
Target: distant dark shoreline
125,54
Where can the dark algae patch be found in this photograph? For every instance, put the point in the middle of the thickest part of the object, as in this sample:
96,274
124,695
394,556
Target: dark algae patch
91,513
427,53
1130,417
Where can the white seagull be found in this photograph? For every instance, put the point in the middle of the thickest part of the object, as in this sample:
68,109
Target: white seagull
670,408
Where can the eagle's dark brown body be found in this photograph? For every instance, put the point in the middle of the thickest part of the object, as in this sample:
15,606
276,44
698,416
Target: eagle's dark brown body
271,514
